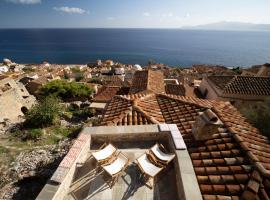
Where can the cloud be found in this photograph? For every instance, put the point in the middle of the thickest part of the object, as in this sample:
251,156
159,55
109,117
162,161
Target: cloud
187,15
110,18
24,1
70,10
146,14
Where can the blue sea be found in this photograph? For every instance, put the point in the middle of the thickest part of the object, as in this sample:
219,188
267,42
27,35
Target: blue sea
174,47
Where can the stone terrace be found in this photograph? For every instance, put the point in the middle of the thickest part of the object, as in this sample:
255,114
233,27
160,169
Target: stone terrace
89,185
76,177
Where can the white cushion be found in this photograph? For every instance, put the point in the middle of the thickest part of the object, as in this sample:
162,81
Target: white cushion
147,166
105,153
161,155
117,165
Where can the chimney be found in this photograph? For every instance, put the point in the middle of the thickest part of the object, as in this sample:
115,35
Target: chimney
206,125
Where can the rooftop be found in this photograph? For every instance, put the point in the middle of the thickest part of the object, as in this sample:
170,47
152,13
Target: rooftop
114,80
175,89
242,85
105,94
76,177
233,163
147,80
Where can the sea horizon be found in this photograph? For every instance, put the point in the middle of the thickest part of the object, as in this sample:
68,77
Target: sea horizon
172,46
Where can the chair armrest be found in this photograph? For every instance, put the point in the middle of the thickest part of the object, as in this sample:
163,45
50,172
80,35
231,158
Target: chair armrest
102,146
163,148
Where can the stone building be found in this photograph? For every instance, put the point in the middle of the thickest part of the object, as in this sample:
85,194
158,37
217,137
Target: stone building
236,89
14,99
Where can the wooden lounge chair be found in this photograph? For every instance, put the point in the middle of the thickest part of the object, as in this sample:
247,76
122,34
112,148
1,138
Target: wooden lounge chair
116,168
160,156
148,168
105,154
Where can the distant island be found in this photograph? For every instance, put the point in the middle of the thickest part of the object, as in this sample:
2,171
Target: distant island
225,25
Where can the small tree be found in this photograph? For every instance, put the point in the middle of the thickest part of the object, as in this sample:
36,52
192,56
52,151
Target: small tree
66,90
259,115
45,113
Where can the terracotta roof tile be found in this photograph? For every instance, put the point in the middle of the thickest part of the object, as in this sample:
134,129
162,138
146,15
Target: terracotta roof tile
115,81
147,80
105,94
175,89
220,81
226,161
243,85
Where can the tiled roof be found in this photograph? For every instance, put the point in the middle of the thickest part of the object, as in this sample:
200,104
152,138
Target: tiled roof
175,89
233,164
147,80
242,85
249,86
106,93
220,81
114,81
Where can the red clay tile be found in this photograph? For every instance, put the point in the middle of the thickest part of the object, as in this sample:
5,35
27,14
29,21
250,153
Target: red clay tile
233,189
232,151
206,189
220,189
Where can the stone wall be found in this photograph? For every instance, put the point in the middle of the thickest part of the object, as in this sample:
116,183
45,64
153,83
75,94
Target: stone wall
187,186
13,99
205,86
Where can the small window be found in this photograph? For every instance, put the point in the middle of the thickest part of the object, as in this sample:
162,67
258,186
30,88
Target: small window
24,110
232,102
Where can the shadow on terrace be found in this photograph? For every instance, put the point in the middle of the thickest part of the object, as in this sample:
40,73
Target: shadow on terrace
90,183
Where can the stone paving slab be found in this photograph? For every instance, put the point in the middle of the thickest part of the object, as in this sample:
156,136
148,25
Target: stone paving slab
130,186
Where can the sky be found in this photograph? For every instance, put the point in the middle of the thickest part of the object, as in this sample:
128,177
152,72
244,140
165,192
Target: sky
129,13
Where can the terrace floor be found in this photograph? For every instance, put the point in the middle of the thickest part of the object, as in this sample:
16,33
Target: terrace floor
87,184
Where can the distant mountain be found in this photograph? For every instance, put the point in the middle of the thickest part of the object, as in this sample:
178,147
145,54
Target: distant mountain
239,26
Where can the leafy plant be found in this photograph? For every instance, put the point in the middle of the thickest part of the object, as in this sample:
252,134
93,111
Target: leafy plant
62,131
65,90
259,115
45,113
3,149
238,70
34,134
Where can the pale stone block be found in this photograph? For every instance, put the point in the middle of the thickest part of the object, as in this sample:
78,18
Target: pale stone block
173,127
179,143
59,174
164,127
182,154
191,187
176,134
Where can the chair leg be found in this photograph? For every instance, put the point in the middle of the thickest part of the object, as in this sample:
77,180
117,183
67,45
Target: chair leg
147,179
112,182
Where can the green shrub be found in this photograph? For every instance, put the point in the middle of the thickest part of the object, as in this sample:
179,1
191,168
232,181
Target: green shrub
65,90
63,131
259,115
82,113
3,149
34,134
45,113
238,70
